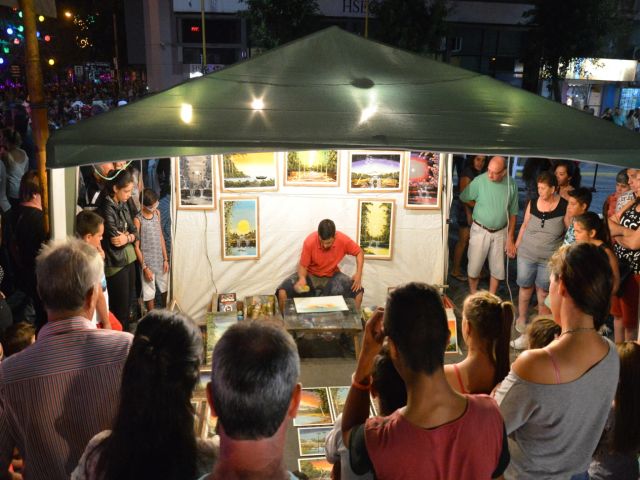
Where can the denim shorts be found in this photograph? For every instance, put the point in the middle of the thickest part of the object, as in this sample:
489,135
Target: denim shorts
337,284
531,272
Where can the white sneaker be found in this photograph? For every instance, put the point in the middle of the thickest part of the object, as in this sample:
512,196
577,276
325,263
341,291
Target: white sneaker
520,343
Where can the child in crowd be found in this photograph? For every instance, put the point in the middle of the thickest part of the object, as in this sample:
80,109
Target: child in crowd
564,172
151,250
17,337
630,195
622,187
90,228
616,457
590,228
579,202
389,393
542,331
486,329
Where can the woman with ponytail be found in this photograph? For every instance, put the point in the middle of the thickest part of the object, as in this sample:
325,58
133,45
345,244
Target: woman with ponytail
590,228
486,329
153,433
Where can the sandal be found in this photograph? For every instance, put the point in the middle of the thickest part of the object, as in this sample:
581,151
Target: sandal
459,277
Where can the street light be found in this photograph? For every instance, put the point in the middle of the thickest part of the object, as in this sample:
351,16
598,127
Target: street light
68,14
51,62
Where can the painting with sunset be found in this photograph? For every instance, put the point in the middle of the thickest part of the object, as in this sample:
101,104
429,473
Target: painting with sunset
249,172
375,171
423,180
194,183
240,228
375,228
312,168
317,468
314,408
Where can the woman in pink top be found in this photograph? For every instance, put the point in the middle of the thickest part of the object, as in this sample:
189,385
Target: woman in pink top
486,330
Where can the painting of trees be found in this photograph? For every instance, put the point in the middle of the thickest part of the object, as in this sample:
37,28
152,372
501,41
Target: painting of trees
375,231
312,168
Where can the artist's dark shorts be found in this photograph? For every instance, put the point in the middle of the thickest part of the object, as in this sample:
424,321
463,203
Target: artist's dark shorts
338,284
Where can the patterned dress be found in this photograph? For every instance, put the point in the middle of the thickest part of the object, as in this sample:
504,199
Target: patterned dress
630,219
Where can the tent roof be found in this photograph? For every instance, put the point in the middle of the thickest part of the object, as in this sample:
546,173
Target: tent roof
310,102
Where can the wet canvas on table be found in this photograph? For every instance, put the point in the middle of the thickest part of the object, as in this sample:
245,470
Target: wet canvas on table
249,172
315,468
423,178
240,229
194,179
314,408
311,440
373,171
375,228
315,168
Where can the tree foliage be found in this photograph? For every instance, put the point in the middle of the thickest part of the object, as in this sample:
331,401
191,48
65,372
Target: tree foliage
569,29
274,22
414,25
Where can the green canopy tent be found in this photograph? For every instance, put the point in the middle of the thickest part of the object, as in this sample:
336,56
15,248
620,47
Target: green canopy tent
333,89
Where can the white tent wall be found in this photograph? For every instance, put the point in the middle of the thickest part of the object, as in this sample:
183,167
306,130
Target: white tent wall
286,217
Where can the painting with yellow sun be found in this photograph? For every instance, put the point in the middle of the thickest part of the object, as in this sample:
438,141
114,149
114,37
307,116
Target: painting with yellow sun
240,228
375,228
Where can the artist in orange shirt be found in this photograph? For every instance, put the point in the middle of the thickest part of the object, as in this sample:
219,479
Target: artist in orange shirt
318,273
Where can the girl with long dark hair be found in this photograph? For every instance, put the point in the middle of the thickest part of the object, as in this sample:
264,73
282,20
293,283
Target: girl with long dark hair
153,433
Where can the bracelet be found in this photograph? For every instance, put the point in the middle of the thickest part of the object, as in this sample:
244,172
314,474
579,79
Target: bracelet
166,260
359,386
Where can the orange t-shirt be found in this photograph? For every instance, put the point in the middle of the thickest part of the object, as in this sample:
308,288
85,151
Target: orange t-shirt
324,263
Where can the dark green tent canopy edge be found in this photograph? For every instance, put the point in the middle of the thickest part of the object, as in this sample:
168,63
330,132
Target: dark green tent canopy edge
310,102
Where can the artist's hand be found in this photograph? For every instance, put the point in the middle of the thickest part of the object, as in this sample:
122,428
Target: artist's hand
120,240
357,282
300,284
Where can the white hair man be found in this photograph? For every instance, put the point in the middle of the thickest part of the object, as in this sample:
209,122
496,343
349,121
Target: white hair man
62,390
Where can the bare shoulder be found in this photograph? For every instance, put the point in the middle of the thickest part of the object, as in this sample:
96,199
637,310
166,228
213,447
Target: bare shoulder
534,366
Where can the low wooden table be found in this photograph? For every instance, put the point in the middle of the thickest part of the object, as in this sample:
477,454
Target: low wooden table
347,322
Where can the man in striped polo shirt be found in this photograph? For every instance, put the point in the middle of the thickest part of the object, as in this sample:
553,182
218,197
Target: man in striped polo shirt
62,390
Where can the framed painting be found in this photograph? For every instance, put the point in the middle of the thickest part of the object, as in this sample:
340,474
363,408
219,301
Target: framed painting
453,348
314,408
195,183
375,171
375,228
312,168
338,397
249,172
311,440
423,188
316,468
240,229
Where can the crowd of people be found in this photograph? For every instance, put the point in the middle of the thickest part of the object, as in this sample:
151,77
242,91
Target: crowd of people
118,405
70,102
